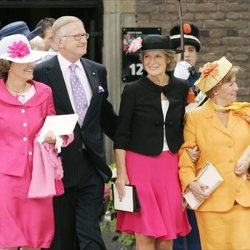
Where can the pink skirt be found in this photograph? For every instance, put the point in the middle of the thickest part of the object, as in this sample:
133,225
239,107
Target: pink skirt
156,179
24,221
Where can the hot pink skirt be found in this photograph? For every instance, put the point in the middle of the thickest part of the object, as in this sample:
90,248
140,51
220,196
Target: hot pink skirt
156,179
24,221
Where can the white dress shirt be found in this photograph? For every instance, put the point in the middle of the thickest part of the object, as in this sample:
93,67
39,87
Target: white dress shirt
64,65
165,106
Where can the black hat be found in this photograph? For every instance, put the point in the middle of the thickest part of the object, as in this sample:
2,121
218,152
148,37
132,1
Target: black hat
19,27
155,43
191,36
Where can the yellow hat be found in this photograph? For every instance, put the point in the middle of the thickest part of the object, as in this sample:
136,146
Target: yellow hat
212,74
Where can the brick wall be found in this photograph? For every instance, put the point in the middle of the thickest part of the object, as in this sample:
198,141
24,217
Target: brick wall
224,26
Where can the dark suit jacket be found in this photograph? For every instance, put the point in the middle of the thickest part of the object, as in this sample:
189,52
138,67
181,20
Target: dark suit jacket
100,117
141,121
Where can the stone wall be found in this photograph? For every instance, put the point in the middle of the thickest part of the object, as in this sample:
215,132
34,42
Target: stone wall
224,27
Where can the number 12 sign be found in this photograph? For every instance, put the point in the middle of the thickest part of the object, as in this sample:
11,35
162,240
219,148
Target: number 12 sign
132,67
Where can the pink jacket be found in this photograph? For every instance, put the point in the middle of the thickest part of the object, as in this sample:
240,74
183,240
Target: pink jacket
19,124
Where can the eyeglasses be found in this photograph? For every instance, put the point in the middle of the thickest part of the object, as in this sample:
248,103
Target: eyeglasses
78,37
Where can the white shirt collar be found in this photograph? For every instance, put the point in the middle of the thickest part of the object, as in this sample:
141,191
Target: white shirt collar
64,63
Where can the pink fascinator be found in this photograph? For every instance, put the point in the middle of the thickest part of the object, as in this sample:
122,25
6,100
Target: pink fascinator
135,45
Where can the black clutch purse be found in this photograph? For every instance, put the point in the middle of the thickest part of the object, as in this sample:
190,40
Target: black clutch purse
130,203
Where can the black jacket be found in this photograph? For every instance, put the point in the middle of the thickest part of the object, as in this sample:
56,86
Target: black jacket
99,117
141,121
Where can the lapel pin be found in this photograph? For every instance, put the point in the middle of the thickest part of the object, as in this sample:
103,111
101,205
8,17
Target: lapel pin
93,73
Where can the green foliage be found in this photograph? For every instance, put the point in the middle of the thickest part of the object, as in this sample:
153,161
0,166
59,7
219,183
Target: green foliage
108,223
127,240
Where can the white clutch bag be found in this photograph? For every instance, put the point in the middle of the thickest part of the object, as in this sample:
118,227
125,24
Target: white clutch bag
130,202
209,176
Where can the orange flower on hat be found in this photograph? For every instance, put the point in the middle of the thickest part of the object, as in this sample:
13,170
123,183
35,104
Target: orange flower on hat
209,69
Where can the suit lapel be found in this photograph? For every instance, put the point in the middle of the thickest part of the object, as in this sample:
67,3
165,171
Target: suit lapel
58,84
91,74
209,114
232,122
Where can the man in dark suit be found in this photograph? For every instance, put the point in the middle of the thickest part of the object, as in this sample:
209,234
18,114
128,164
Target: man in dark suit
78,210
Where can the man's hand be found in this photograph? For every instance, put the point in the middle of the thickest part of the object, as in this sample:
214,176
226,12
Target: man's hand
194,153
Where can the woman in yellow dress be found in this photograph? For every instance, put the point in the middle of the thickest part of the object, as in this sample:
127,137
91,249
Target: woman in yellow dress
220,129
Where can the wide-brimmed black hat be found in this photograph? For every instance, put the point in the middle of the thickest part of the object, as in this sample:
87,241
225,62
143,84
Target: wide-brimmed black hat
155,43
191,36
19,27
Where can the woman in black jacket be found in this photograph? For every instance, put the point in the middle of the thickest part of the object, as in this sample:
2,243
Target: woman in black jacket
149,134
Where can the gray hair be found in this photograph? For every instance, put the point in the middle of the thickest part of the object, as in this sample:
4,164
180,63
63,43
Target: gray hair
59,24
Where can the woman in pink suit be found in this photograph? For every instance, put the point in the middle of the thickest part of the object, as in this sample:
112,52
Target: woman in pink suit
220,129
24,104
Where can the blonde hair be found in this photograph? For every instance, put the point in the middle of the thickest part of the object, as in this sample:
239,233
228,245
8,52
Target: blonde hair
230,74
170,55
